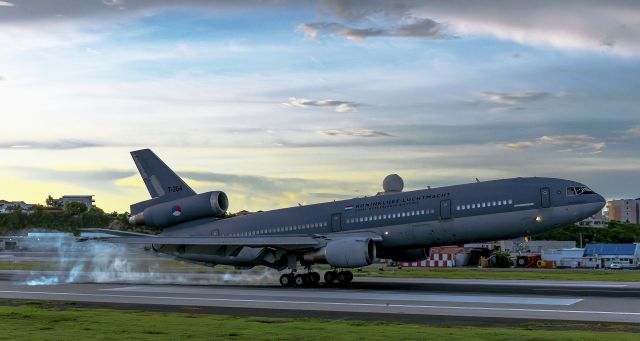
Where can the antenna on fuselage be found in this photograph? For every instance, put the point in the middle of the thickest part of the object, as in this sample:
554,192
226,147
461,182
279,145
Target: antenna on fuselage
477,180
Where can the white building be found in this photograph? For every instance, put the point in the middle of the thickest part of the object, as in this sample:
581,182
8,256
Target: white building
624,210
596,220
601,255
595,256
565,258
85,199
7,207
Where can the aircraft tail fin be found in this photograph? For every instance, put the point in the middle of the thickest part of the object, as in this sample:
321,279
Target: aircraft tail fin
162,183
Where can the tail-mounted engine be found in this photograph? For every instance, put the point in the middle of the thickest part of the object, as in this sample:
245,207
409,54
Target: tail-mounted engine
204,205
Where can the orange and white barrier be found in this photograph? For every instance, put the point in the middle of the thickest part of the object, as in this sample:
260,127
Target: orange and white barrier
437,260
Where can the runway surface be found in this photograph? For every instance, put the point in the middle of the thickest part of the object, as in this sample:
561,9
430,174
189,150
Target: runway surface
401,299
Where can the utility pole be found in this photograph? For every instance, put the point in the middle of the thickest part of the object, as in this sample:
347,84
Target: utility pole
580,239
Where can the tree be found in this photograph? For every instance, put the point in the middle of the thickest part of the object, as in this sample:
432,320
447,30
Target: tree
75,208
51,202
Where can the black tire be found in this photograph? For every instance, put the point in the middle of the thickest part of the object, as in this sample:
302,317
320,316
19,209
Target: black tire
286,280
330,277
315,277
349,276
300,280
343,277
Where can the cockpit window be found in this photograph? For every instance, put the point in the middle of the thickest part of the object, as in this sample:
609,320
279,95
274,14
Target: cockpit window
586,190
571,191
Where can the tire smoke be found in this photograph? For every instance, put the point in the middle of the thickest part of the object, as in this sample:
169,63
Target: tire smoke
103,262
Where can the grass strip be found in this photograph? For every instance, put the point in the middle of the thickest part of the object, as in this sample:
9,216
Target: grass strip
41,320
508,274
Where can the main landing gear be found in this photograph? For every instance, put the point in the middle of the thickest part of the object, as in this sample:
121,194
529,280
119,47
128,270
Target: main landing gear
312,278
342,277
300,280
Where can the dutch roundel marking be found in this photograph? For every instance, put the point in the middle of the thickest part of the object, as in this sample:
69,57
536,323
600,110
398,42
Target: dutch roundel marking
176,210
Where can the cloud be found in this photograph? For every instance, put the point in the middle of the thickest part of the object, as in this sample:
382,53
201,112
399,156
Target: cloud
603,26
512,101
113,2
6,4
56,145
92,176
635,132
357,133
520,145
418,28
339,106
83,9
266,187
512,98
572,143
501,110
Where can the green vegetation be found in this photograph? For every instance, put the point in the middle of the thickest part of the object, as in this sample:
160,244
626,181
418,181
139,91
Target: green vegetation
615,232
506,274
62,321
503,259
71,219
75,208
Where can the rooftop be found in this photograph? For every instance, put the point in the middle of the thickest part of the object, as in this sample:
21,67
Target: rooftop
609,249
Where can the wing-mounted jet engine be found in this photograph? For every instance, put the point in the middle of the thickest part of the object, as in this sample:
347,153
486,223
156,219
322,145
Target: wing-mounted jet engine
344,253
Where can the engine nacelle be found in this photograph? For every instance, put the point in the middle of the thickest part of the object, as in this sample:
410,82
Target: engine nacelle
345,253
209,204
408,255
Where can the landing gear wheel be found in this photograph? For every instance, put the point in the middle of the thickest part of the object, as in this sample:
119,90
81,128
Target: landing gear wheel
349,276
315,277
344,277
286,280
330,277
301,280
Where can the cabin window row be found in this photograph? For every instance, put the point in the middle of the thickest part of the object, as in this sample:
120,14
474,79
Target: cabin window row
390,216
484,204
279,229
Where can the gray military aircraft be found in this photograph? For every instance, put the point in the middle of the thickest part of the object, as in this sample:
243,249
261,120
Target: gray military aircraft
349,233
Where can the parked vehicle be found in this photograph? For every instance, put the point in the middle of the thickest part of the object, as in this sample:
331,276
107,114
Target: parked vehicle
615,265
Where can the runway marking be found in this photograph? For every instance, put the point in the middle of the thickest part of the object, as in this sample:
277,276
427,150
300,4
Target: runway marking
482,282
590,290
371,295
379,305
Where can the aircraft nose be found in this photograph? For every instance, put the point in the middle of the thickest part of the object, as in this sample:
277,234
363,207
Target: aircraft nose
600,199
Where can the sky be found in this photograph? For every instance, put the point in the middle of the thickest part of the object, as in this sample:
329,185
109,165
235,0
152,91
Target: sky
285,102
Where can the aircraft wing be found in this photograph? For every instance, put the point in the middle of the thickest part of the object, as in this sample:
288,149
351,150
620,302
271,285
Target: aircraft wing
287,242
115,232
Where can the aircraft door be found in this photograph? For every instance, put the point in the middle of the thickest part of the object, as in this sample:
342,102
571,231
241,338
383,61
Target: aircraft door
545,197
445,209
336,222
